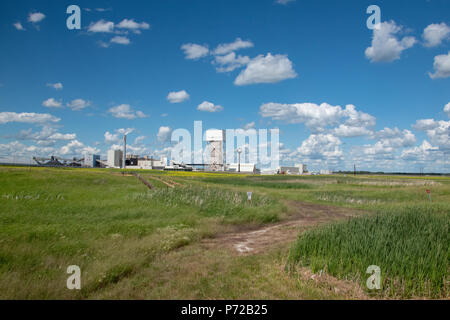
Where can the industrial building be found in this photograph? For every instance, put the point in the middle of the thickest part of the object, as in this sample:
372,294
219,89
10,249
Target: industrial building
244,168
55,161
298,169
288,170
178,167
301,168
150,163
120,159
115,158
131,160
136,162
268,171
91,160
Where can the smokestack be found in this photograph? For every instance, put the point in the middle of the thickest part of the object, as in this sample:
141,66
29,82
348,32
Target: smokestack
124,151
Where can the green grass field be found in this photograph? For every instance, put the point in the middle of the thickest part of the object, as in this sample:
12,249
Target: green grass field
132,242
410,247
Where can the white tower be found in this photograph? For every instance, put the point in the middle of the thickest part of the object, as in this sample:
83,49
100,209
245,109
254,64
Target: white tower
215,140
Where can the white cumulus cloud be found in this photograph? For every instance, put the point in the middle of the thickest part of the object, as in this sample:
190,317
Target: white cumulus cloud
266,69
320,146
117,137
238,44
164,134
62,136
437,131
389,140
177,96
124,111
56,86
36,17
425,124
230,62
120,40
260,69
194,51
447,109
441,66
47,134
6,117
386,46
434,34
77,148
18,26
418,153
111,138
123,131
348,131
209,107
139,139
250,125
52,103
78,104
347,122
132,25
101,26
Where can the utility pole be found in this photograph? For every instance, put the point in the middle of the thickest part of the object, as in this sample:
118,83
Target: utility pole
354,169
124,164
239,150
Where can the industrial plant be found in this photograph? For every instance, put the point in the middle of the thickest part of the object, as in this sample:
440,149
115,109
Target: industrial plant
215,140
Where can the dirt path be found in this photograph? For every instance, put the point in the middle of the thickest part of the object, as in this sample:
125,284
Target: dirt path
169,184
219,268
147,184
258,240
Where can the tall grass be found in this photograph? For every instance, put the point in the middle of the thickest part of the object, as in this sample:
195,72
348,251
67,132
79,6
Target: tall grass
232,206
411,246
249,182
110,225
116,229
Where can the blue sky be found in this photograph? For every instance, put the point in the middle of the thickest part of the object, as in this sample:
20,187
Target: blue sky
295,65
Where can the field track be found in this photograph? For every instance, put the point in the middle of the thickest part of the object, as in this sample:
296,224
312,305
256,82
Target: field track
148,184
168,183
254,241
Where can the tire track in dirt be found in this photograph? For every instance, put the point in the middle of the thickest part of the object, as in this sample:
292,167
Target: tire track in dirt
145,182
169,184
254,241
